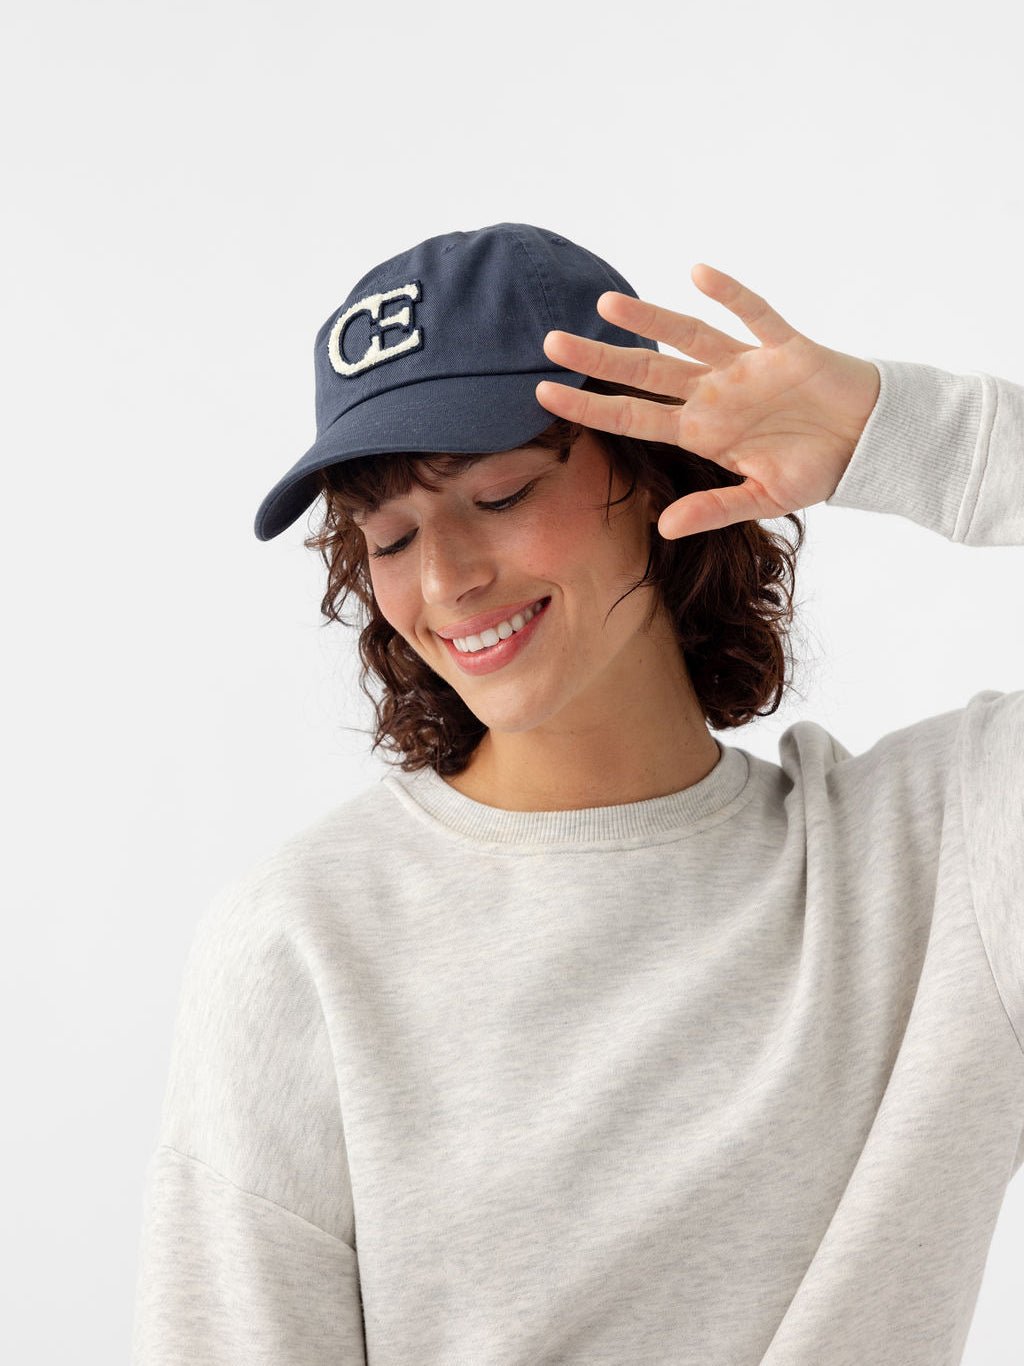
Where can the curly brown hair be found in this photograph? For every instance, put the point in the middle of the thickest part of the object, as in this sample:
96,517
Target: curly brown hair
729,591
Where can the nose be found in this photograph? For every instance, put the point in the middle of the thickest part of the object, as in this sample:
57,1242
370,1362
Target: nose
454,560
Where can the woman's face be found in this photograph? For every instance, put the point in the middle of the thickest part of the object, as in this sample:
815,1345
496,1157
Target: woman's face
459,560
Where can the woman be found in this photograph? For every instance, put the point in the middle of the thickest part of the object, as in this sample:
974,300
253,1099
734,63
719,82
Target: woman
582,1037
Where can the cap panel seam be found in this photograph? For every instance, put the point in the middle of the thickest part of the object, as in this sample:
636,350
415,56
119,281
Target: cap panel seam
521,242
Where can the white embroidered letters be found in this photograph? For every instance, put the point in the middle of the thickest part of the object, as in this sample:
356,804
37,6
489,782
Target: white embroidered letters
375,353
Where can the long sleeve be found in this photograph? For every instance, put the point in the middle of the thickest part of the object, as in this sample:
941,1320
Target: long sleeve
247,1252
944,450
947,451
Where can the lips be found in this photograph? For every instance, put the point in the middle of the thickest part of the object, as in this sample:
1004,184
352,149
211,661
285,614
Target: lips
513,624
484,621
494,657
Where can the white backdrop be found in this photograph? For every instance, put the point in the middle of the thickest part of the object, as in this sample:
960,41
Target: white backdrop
191,189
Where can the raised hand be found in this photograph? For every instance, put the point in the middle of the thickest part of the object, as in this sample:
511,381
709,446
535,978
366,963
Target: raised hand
786,414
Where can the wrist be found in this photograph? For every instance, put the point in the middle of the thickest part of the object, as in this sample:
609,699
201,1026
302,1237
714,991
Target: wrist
865,384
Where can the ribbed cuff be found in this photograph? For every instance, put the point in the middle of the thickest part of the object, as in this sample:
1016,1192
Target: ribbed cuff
916,452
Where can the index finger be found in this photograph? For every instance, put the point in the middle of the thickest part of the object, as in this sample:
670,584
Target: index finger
692,336
752,310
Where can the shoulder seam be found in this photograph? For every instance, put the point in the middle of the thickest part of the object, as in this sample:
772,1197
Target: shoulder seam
961,765
198,1162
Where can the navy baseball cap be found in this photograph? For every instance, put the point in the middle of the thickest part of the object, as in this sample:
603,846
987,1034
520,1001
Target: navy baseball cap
439,349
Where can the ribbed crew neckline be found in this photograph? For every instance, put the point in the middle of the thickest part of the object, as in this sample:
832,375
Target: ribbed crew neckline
677,813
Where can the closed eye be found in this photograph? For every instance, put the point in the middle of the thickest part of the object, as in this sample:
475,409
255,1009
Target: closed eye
500,506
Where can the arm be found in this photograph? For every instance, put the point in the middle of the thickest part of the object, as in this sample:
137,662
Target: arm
801,424
247,1254
946,451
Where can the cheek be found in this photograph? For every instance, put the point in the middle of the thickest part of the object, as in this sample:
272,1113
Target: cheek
392,600
550,545
581,542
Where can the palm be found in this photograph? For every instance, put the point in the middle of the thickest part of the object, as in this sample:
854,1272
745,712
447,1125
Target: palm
785,415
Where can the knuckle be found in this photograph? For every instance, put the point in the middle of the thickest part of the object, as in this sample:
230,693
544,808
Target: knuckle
623,417
597,361
650,315
646,371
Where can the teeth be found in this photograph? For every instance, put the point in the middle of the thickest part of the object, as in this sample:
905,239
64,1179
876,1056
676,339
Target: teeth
504,629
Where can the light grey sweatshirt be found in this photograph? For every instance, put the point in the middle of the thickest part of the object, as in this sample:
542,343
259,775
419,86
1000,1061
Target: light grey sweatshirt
729,1076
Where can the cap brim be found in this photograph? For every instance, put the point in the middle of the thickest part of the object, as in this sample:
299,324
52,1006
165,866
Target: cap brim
468,414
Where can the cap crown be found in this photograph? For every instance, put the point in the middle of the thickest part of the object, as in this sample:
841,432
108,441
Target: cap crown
440,349
462,303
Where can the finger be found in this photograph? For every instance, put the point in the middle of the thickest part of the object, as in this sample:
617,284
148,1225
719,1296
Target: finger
752,310
693,336
633,365
622,415
709,509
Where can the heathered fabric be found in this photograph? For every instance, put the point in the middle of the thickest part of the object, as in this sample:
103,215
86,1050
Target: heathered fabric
729,1076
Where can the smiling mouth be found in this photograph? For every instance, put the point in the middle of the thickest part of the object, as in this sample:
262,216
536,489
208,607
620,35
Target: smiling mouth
475,643
491,657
